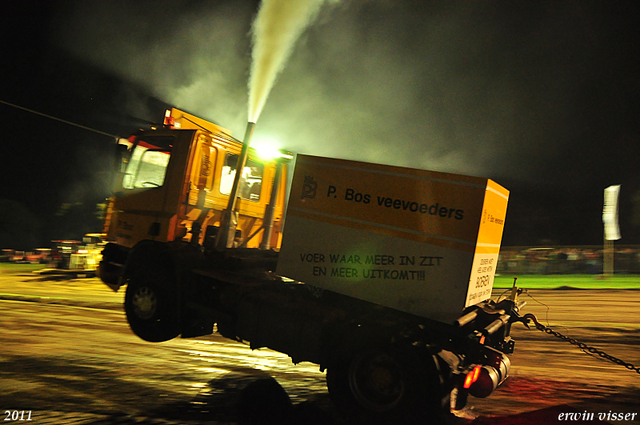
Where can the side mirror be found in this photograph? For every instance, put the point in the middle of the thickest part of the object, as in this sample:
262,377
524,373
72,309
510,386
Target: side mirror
123,155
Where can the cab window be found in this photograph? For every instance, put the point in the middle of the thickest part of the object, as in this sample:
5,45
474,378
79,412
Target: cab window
250,181
147,166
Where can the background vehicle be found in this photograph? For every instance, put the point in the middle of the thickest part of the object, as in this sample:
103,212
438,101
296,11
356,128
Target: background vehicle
76,257
383,276
39,256
5,255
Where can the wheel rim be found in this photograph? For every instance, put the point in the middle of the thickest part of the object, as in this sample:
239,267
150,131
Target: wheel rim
376,381
144,303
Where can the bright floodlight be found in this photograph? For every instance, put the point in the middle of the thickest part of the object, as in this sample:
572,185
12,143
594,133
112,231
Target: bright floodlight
268,151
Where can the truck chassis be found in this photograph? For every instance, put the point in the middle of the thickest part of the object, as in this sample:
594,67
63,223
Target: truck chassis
380,362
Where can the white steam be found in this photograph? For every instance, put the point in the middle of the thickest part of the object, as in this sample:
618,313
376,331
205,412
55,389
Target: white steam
277,27
462,87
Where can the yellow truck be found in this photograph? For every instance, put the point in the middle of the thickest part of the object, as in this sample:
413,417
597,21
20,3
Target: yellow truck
382,275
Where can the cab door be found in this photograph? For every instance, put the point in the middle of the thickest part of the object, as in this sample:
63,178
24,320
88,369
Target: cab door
149,193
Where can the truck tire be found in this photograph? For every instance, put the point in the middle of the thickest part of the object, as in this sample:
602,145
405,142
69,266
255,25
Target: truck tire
380,384
151,305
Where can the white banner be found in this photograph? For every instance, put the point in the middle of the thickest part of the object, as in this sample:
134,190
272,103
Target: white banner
610,213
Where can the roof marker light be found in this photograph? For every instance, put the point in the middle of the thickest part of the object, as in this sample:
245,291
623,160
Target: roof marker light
169,121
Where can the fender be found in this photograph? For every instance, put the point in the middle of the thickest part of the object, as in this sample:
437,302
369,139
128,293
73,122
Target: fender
145,252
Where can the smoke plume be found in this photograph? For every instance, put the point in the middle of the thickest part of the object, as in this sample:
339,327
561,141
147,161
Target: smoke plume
277,27
497,89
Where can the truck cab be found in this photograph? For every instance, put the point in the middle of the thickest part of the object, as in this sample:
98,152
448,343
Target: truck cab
174,185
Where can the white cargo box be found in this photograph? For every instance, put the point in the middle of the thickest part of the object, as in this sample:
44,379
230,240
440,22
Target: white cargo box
418,241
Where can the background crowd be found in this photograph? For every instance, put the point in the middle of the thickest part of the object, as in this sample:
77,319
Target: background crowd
567,260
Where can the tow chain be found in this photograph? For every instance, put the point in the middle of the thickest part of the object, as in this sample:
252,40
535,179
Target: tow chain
584,347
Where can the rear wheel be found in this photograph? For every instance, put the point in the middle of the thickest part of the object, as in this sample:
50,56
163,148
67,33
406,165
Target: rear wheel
151,305
386,383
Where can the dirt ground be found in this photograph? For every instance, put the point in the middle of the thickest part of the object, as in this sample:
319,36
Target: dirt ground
68,356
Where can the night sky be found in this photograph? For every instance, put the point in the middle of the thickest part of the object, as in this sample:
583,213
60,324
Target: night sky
541,96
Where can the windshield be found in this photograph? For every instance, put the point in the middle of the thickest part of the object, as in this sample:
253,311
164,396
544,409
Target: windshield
148,164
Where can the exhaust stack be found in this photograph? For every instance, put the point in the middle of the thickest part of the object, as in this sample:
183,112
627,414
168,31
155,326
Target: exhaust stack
229,220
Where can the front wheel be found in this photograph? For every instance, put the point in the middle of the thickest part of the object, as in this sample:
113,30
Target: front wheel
151,305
